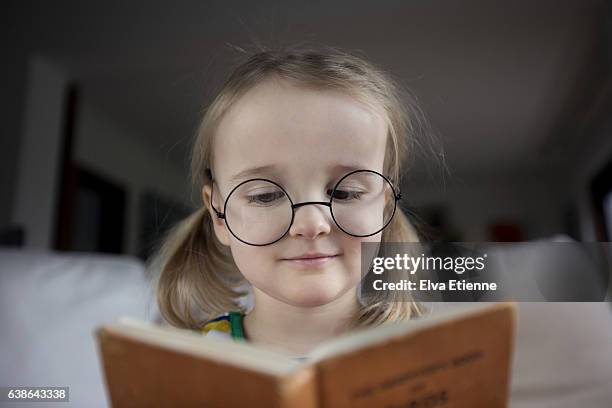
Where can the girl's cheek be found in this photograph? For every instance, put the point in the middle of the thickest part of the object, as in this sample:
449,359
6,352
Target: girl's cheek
368,222
257,257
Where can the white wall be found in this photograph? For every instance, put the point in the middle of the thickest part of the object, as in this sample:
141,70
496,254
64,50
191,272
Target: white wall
112,150
13,84
34,205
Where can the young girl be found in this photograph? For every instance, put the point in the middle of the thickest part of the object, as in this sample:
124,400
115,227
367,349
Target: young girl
298,163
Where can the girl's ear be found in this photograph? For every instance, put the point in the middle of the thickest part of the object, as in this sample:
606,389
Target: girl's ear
218,224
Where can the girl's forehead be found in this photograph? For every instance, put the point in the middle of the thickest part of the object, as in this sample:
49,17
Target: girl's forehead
299,130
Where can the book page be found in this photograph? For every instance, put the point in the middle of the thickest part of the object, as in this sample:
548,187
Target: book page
226,352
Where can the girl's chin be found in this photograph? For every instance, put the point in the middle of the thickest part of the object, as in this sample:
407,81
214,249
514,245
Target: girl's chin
313,296
311,301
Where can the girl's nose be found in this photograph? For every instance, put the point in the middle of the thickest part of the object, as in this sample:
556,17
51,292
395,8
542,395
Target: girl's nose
310,221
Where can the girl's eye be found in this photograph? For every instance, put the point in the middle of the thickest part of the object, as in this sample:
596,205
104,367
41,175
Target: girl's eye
345,195
265,198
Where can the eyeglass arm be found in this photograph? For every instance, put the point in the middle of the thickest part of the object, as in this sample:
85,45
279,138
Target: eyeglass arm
219,214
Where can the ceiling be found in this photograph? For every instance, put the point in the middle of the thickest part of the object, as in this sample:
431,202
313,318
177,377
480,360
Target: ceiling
503,83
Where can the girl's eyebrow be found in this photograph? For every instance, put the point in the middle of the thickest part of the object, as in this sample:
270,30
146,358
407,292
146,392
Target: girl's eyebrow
254,171
347,168
270,168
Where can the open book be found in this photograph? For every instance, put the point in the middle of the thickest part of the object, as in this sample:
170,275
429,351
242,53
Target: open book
457,359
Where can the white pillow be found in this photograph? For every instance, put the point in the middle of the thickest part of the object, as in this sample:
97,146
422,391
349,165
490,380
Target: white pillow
50,304
563,356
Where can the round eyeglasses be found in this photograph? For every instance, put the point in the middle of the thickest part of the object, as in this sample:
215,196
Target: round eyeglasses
260,212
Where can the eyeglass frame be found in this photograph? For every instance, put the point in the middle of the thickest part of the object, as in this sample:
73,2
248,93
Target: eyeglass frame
221,215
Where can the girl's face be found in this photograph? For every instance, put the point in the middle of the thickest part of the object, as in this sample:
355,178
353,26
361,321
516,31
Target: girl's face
307,139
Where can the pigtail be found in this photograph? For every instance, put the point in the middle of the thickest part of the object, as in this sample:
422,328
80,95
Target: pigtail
197,278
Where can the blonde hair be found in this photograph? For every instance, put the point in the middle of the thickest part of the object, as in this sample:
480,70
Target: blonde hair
197,278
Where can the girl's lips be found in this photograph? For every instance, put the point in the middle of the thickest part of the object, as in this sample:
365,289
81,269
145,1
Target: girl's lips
311,262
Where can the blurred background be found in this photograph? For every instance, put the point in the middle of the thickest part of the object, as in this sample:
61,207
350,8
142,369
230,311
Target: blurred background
101,100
